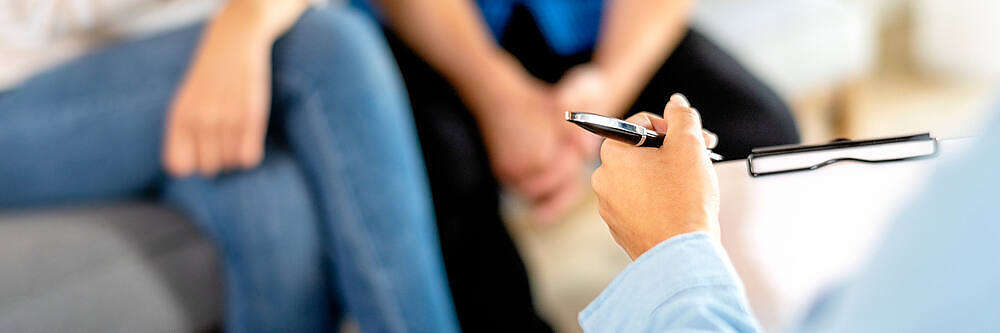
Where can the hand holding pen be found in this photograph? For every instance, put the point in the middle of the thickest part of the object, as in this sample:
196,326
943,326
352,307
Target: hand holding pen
639,135
649,195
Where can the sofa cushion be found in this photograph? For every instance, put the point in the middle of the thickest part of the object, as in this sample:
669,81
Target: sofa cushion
105,268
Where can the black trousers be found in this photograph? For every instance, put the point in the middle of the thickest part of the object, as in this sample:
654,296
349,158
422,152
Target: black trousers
487,277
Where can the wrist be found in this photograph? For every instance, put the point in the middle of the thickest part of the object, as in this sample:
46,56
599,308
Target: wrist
696,225
234,31
255,22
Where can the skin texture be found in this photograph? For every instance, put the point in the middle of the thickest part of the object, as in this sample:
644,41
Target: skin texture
218,118
648,195
531,149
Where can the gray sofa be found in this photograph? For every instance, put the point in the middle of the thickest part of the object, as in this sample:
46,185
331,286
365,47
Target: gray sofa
124,267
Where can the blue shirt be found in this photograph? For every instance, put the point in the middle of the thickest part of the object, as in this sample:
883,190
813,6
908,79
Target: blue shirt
938,270
569,26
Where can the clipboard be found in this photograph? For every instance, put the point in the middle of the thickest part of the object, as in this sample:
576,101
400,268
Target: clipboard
777,160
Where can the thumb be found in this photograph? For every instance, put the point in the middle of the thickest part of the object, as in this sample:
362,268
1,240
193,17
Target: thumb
683,123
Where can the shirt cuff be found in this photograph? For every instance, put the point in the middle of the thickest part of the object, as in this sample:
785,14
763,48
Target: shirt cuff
687,261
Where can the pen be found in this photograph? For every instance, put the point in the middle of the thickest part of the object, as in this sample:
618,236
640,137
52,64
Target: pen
620,130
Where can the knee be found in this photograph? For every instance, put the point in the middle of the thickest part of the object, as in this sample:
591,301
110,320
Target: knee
336,61
762,118
336,44
776,118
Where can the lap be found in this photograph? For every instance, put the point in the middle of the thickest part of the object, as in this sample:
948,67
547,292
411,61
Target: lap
92,127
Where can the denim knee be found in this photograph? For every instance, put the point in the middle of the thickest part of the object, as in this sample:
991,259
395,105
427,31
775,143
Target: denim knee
335,46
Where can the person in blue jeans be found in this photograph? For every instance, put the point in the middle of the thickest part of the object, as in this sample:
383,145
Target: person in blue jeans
935,271
287,138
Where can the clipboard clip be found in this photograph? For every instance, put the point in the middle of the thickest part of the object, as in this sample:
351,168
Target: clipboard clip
797,158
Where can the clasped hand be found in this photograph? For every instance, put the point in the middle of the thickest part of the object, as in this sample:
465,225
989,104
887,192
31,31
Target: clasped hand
532,149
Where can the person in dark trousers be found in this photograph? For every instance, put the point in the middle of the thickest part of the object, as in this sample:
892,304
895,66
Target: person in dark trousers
489,82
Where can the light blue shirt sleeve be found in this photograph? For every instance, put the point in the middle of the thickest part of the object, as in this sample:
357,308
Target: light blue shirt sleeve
937,270
685,283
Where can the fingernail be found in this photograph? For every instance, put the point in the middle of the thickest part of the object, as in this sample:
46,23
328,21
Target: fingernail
715,140
680,98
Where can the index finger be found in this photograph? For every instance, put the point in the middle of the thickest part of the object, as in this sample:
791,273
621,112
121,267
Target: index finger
684,121
649,120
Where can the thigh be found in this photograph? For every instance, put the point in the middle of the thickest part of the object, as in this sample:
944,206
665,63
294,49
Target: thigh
732,102
91,128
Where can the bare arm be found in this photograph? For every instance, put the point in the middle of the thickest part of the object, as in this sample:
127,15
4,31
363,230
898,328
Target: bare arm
453,38
636,37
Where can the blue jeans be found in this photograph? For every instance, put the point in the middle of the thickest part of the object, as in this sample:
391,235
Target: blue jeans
336,219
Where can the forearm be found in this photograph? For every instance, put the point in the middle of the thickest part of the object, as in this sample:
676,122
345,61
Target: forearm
453,38
246,28
636,37
258,22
